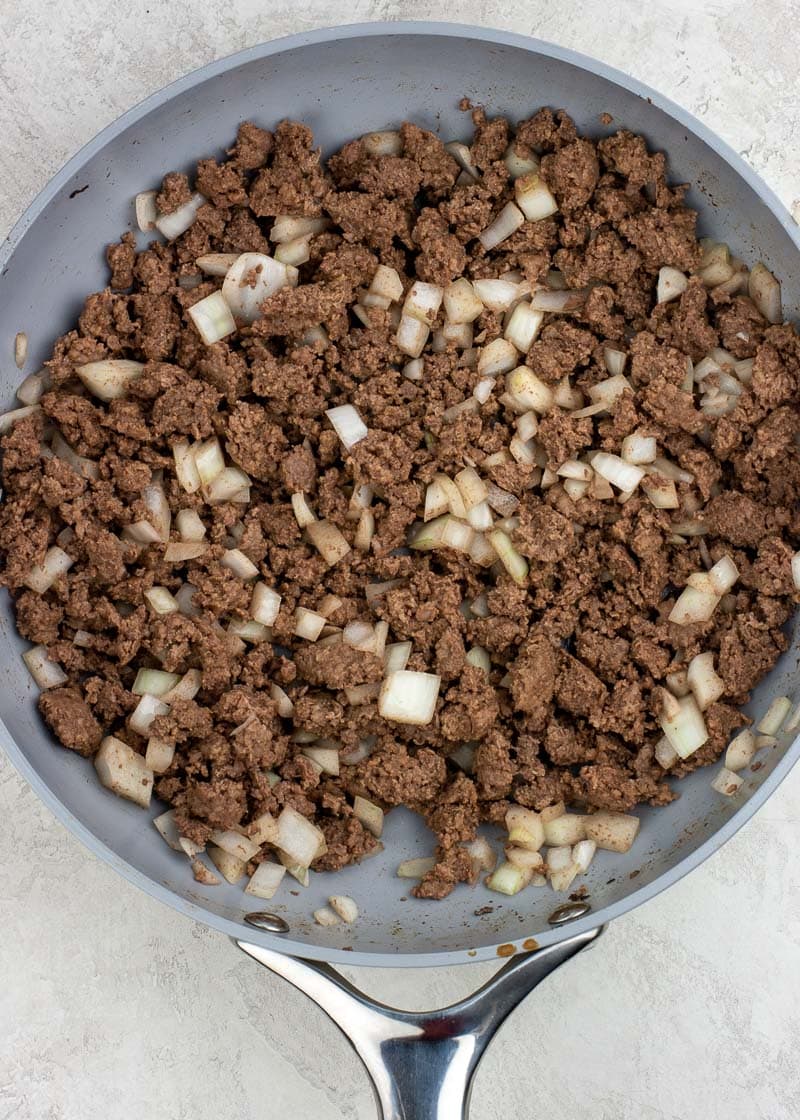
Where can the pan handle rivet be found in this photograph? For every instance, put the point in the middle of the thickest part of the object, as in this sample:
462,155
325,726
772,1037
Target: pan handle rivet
269,922
568,913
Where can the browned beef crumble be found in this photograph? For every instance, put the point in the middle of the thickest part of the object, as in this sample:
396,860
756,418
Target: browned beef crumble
569,709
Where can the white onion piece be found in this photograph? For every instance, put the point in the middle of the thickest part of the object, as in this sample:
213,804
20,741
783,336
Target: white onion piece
500,356
385,143
524,326
528,391
613,832
573,468
423,301
428,535
186,468
369,814
515,564
509,879
507,222
461,302
216,264
727,783
159,513
625,476
243,847
693,605
483,389
471,487
142,532
609,391
184,597
303,513
412,334
456,534
109,378
671,470
365,531
637,448
480,517
575,488
459,334
297,837
159,755
308,624
498,295
523,857
123,771
61,449
660,492
561,869
236,561
614,360
145,712
741,751
328,541
209,460
409,697
326,758
395,656
715,264
33,388
282,701
161,600
168,830
776,713
46,673
174,224
212,317
582,855
683,724
293,253
144,205
189,525
154,682
413,370
230,485
347,424
482,854
360,635
557,302
186,688
463,157
520,165
703,680
765,292
723,575
250,631
265,604
230,867
42,576
479,657
286,228
344,906
671,284
534,198
82,639
502,501
665,754
265,880
678,682
387,283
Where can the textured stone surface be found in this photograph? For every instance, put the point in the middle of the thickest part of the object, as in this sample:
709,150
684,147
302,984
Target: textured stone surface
114,1007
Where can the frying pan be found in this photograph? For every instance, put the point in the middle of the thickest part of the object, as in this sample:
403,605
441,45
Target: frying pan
344,82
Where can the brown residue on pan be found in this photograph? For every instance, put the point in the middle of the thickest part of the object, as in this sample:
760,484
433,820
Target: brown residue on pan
530,943
506,950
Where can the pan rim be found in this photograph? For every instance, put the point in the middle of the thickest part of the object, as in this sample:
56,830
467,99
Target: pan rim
421,28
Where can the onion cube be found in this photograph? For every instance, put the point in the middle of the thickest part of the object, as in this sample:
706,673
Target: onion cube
265,604
159,755
308,624
582,855
145,712
186,469
251,279
614,832
298,838
412,334
741,750
772,720
723,575
213,319
324,916
42,576
174,224
109,378
561,869
534,198
693,605
683,725
525,828
265,880
423,301
566,829
154,682
209,460
625,476
161,600
416,868
328,540
528,391
523,326
507,222
409,697
727,783
509,879
348,425
500,356
243,847
461,304
703,680
370,815
387,283
242,566
671,284
229,866
46,673
123,771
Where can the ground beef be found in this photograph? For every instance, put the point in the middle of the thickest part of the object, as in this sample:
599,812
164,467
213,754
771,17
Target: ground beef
576,634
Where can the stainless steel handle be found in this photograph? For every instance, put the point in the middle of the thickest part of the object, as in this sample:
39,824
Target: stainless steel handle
421,1063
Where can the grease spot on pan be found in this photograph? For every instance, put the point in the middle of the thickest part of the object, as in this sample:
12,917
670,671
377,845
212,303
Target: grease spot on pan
530,943
506,950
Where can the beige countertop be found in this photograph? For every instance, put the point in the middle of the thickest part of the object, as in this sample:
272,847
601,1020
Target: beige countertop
114,1007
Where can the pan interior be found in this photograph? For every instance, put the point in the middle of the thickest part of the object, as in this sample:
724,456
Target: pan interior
343,84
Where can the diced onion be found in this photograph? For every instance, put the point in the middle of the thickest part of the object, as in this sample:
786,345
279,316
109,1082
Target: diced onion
519,165
614,832
186,467
608,392
382,143
456,534
637,448
461,303
625,476
145,712
282,701
61,449
109,378
479,657
42,576
561,869
348,425
523,857
236,561
265,604
534,198
161,600
159,755
387,283
230,867
528,391
325,916
33,388
168,830
582,855
297,837
212,317
498,295
395,656
308,624
423,301
614,360
523,326
230,485
573,468
158,509
665,754
328,540
723,575
154,682
413,370
507,222
727,783
557,302
186,688
703,680
515,564
46,673
209,460
671,284
184,597
286,228
502,501
683,724
741,750
189,525
174,224
471,487
293,253
265,880
660,492
772,720
693,605
144,205
765,292
508,879
123,771
412,334
500,356
671,470
409,697
428,535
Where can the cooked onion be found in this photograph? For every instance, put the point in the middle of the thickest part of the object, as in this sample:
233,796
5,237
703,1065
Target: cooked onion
216,264
638,448
671,284
614,832
500,356
230,485
123,771
369,814
741,750
186,467
145,712
683,724
519,165
230,867
174,224
523,326
286,228
534,198
158,509
498,295
308,624
507,222
776,713
251,280
189,525
209,460
409,697
608,392
625,476
723,575
161,600
294,252
348,425
515,565
395,656
527,391
282,701
265,880
46,673
159,755
423,301
109,378
661,492
703,680
32,389
328,541
727,783
765,292
387,283
212,317
412,334
145,209
297,837
471,487
614,360
154,682
42,576
509,879
236,561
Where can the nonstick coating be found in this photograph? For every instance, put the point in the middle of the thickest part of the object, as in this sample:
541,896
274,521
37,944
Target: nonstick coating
343,82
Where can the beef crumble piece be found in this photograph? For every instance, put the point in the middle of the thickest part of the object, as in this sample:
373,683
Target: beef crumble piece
551,678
